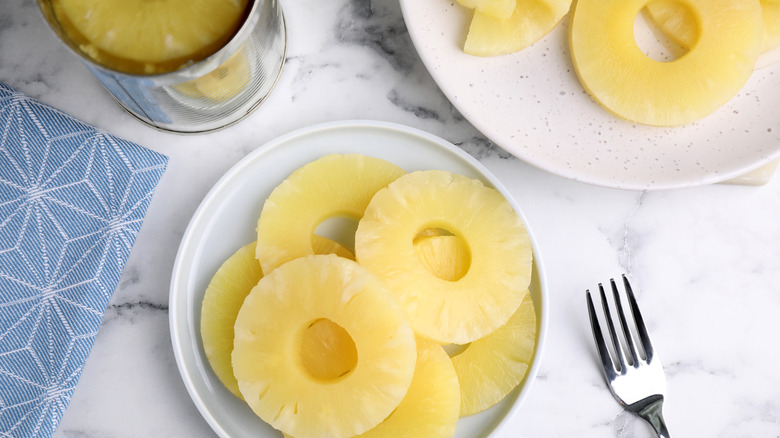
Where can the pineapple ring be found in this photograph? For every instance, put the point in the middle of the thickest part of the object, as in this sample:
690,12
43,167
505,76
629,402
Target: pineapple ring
490,368
334,185
635,87
488,294
221,302
267,360
223,298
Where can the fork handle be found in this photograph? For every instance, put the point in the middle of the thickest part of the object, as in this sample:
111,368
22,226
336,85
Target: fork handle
653,413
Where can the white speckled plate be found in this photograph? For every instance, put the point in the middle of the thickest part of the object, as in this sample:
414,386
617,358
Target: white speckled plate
532,104
226,220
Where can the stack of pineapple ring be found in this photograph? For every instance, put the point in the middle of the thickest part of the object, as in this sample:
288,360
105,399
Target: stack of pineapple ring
329,344
722,39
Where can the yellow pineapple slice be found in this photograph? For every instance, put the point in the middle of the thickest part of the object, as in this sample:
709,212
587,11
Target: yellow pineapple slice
500,263
530,21
677,22
493,8
490,368
431,406
221,303
224,296
143,36
635,87
331,186
280,380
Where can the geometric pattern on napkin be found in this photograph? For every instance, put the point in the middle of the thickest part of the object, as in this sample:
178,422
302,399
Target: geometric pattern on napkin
72,201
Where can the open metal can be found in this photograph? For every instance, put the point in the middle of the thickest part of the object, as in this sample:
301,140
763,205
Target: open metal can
208,94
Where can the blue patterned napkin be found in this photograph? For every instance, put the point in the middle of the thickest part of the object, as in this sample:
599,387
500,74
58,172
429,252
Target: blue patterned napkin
72,200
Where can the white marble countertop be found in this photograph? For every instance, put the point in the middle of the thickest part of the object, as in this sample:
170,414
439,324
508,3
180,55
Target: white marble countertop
705,261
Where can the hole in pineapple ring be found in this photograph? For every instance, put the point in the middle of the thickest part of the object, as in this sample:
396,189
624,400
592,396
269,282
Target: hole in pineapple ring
443,253
665,30
340,229
328,352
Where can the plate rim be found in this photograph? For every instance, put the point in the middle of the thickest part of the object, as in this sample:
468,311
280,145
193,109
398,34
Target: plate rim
189,241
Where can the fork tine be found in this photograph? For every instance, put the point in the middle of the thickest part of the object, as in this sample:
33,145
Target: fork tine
611,327
624,323
639,321
598,336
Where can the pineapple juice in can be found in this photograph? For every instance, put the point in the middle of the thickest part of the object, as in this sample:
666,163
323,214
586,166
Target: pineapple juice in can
211,88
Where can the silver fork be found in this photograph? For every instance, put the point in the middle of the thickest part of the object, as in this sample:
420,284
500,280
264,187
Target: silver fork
637,382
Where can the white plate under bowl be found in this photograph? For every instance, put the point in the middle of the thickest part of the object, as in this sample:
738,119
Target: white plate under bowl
226,220
532,104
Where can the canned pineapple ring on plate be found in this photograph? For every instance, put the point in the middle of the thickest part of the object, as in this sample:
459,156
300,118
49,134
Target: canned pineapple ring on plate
227,217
